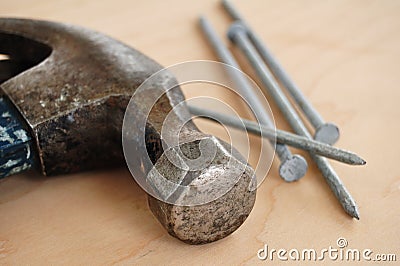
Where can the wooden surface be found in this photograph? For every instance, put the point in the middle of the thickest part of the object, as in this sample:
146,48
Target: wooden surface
345,56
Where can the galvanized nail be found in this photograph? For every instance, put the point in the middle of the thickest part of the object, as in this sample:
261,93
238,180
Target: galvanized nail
324,131
292,167
238,35
280,136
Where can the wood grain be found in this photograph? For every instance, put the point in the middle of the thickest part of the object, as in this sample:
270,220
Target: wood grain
344,55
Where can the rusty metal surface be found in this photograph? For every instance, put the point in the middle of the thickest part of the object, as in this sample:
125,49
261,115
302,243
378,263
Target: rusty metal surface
74,100
72,86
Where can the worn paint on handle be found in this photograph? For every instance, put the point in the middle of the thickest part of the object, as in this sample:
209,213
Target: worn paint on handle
16,152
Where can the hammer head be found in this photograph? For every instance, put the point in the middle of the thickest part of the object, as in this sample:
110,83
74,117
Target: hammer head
72,86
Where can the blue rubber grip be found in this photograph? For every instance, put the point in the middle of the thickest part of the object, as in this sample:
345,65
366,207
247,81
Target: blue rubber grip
16,144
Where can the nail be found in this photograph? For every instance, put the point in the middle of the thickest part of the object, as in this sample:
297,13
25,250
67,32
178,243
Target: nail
292,167
324,132
280,136
238,35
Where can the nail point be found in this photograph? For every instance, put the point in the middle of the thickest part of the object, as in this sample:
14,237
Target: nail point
352,211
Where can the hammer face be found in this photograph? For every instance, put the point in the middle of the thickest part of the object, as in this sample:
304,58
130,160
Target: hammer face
208,204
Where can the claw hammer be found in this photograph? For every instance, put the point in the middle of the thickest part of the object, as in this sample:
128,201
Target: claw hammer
64,91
